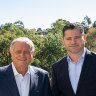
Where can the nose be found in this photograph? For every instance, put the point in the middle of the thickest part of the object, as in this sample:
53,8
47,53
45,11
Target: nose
22,54
73,41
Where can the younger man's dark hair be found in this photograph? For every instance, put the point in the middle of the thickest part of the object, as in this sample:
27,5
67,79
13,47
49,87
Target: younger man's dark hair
72,26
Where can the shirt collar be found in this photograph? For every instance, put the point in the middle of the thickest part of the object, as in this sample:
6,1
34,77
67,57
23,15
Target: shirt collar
15,71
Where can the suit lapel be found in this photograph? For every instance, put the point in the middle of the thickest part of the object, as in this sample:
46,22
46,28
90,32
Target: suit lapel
10,81
85,67
33,81
67,79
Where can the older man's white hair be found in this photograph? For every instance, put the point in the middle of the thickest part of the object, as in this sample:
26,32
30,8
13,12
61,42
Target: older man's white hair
23,39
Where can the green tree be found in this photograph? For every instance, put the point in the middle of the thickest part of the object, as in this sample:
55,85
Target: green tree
19,23
86,22
57,26
5,41
32,31
6,26
49,51
91,39
94,24
39,30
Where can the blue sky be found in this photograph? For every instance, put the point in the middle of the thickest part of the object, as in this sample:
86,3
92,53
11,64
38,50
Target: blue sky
42,13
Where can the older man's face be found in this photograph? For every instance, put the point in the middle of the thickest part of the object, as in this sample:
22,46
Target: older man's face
21,55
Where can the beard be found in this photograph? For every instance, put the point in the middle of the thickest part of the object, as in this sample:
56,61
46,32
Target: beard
75,49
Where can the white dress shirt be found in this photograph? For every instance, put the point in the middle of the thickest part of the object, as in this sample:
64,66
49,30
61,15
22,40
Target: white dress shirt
75,70
23,82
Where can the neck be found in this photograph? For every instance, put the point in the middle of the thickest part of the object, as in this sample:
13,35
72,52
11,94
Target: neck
75,57
22,71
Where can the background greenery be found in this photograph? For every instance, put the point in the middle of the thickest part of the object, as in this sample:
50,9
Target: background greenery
48,42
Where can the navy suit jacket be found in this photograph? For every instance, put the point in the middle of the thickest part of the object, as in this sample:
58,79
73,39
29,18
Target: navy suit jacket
39,85
61,85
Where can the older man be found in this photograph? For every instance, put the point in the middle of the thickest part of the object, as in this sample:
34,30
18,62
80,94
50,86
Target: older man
19,78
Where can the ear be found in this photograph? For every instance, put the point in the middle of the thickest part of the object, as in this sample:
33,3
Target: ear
32,53
85,37
11,52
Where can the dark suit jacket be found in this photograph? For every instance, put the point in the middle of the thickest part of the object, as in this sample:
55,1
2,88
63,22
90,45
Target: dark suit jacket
61,85
39,85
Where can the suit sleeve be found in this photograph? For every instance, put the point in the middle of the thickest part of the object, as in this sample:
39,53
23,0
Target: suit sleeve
47,88
54,85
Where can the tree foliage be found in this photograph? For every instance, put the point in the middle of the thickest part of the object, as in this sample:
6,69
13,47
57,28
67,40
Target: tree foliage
91,39
48,44
50,50
57,26
94,24
86,22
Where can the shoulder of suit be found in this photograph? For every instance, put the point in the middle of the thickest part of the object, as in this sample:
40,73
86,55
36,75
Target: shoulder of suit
38,70
3,69
64,59
91,53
